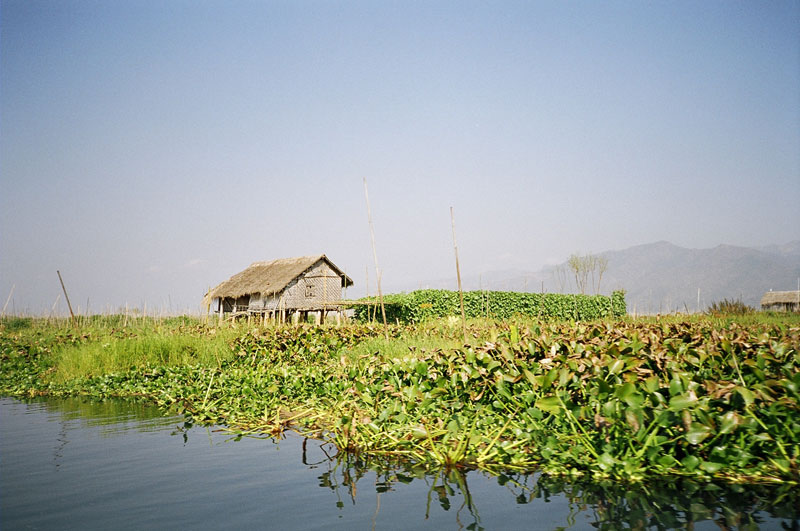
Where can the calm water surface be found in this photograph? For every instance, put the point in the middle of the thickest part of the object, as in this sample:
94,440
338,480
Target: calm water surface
69,464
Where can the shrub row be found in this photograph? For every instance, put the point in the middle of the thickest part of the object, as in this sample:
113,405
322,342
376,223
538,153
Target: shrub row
419,305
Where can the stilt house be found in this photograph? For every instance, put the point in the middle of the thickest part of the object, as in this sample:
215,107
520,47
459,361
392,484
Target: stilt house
781,301
281,288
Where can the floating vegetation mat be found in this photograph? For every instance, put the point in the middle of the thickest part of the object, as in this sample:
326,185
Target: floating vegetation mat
628,401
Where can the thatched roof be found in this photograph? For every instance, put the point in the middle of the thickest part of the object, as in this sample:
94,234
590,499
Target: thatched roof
780,297
270,277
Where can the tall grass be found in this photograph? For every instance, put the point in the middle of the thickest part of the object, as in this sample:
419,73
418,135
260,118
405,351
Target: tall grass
115,343
114,354
730,307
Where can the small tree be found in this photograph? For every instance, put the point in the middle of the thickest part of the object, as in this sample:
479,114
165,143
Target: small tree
599,265
580,268
585,266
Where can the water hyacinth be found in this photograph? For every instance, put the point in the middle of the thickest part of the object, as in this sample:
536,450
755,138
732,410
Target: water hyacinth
620,400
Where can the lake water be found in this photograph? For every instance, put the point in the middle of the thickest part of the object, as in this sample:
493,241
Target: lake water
71,464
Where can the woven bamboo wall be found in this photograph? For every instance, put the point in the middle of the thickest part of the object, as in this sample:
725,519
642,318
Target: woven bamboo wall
318,285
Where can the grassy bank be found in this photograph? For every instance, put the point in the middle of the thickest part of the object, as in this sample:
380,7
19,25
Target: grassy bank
629,399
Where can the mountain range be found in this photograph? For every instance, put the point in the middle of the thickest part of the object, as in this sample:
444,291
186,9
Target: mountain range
661,277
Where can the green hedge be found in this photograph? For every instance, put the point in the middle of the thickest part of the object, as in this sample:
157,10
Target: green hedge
424,304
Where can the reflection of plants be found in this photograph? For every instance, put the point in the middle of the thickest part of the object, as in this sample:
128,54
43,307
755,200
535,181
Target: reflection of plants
676,504
350,473
345,470
665,505
445,490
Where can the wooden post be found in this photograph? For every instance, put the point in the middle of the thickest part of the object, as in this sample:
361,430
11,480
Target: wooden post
324,295
375,255
376,305
458,275
9,298
69,305
208,305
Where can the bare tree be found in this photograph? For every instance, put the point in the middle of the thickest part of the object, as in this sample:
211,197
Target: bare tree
560,273
602,266
591,264
586,266
578,265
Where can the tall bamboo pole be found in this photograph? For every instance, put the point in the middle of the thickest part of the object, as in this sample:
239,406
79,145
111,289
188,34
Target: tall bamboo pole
458,275
10,293
369,313
69,305
375,255
324,295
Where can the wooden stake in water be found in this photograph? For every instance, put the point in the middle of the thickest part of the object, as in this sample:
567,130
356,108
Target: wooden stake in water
69,305
375,255
458,275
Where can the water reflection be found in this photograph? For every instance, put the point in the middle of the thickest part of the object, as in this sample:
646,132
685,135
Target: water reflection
675,504
447,488
201,476
113,417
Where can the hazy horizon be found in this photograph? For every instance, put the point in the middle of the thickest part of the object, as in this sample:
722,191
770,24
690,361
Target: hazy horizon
150,150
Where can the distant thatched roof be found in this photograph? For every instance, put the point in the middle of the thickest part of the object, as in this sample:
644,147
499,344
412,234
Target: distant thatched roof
270,277
780,297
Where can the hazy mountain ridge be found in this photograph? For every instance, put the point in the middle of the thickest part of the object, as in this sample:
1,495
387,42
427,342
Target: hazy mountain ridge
791,249
662,277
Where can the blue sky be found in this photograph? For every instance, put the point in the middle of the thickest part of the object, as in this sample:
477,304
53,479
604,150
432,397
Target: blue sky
151,149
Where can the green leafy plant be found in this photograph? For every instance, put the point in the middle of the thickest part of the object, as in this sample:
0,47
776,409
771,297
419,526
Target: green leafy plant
421,305
620,400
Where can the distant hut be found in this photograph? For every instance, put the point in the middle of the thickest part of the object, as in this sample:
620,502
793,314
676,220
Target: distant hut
781,301
281,288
